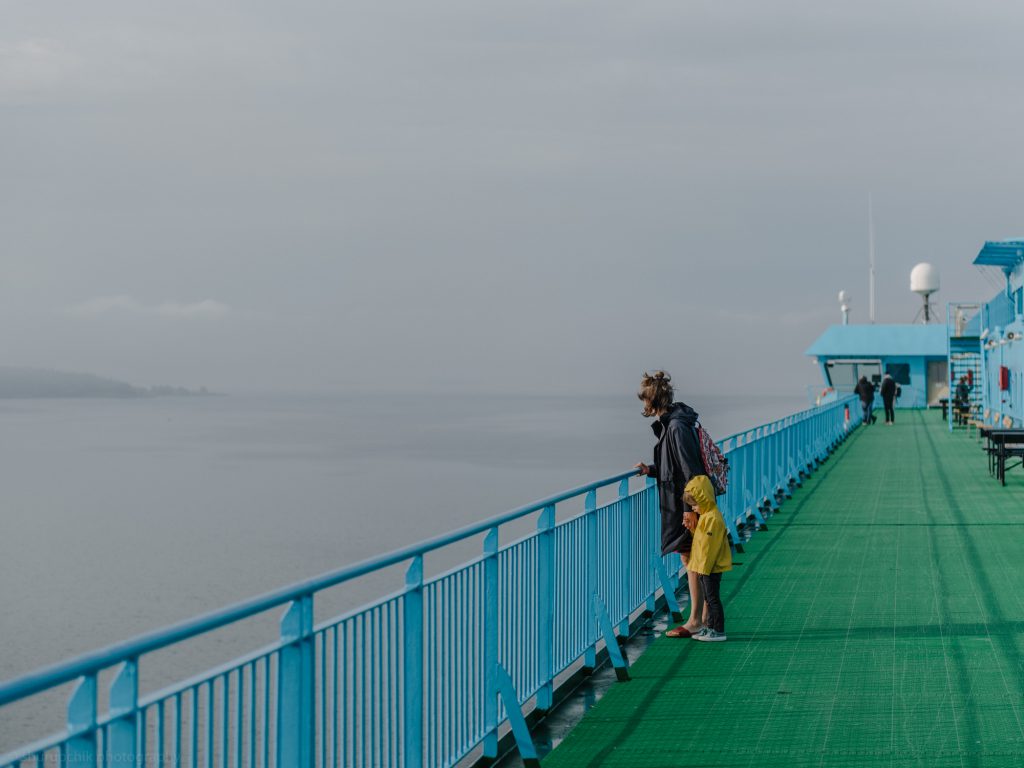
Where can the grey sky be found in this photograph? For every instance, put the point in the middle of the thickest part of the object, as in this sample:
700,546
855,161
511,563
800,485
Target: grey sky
518,196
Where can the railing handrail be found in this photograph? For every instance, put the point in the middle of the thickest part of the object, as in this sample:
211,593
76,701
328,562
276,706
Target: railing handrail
94,661
810,410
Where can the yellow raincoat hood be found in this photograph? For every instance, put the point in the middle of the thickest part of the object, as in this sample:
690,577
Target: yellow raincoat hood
702,491
710,552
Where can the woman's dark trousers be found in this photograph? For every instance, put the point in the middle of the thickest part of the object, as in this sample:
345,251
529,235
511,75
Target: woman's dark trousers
890,412
710,585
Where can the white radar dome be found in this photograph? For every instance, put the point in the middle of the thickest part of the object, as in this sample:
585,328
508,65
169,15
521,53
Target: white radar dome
844,297
924,279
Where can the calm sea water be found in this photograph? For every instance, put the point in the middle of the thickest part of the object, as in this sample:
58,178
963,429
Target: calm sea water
121,516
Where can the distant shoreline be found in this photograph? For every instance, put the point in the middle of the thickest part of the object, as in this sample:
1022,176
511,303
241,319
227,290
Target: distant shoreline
43,384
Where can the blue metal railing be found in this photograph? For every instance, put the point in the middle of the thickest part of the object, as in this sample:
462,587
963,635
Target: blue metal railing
429,674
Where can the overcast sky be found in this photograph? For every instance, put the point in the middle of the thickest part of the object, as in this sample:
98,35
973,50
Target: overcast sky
527,196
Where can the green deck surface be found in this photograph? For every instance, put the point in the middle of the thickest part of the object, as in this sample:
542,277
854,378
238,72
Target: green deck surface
879,621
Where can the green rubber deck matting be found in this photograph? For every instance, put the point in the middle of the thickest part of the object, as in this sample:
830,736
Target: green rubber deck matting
878,622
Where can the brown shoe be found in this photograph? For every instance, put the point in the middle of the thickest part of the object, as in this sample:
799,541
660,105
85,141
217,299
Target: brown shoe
680,631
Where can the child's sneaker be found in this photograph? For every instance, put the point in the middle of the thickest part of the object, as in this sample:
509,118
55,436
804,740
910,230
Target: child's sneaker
700,635
710,636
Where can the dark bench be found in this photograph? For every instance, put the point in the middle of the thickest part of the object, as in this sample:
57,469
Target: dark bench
1004,444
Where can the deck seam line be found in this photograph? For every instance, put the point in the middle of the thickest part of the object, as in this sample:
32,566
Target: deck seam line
793,655
937,603
849,627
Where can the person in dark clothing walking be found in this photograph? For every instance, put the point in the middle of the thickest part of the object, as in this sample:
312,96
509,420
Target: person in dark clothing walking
677,459
888,393
866,391
963,393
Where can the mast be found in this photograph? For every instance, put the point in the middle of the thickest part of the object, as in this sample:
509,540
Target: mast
871,261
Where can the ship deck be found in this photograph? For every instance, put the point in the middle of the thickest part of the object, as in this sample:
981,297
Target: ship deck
878,621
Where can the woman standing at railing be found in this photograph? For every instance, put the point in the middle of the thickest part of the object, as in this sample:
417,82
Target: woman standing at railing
676,460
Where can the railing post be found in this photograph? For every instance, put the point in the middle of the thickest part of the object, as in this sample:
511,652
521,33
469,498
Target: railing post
650,513
491,644
658,566
590,523
81,750
546,605
611,643
412,665
626,550
520,731
121,749
295,686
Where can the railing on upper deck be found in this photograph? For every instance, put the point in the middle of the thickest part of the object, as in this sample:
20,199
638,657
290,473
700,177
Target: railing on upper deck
433,673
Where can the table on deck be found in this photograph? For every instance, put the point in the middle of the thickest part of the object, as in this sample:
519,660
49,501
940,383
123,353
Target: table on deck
1004,443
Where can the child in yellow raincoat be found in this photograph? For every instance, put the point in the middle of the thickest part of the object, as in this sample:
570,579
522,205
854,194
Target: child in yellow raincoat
710,555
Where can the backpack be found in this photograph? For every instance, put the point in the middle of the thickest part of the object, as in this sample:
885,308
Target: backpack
716,466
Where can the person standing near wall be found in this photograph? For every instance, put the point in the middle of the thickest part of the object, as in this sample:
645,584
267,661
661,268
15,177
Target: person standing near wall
866,391
888,393
677,459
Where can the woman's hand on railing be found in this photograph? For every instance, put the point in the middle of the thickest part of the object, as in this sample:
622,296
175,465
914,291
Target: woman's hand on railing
643,469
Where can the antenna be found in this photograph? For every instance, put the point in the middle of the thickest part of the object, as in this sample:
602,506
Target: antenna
844,306
871,261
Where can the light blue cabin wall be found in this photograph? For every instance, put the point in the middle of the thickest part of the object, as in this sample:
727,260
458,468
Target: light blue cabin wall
998,402
1006,402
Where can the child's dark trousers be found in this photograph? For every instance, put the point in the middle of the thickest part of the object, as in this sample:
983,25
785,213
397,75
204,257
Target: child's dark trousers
710,585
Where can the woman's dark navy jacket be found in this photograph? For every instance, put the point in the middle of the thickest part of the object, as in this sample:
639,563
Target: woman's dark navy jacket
676,459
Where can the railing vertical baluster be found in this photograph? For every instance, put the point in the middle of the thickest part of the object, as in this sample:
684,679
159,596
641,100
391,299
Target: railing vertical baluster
336,713
412,635
194,730
161,732
626,554
177,731
252,715
81,750
294,687
590,521
239,712
651,507
491,644
209,724
321,690
225,715
545,605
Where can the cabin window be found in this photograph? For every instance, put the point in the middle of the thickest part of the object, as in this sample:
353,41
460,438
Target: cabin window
844,374
900,372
